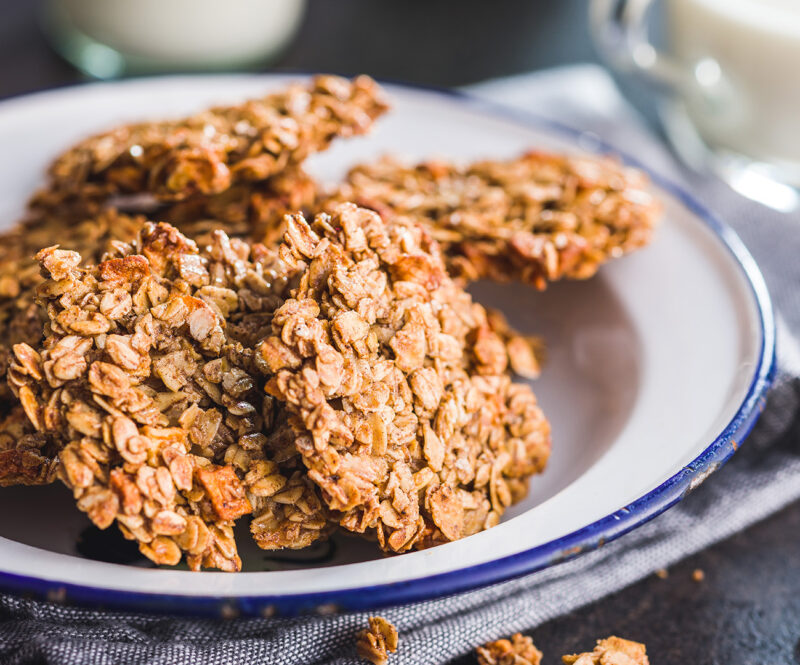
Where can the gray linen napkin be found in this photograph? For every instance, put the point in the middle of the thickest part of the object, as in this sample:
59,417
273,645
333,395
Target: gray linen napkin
763,477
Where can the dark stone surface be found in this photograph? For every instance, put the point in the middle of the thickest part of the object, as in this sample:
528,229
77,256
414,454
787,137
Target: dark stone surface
747,610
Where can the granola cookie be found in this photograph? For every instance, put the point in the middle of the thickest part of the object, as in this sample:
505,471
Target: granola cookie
535,219
245,212
396,385
211,151
20,318
145,379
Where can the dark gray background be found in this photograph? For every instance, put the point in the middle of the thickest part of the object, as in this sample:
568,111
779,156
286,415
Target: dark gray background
747,610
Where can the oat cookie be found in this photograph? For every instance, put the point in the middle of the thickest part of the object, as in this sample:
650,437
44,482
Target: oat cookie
536,218
22,320
396,385
247,212
211,151
145,379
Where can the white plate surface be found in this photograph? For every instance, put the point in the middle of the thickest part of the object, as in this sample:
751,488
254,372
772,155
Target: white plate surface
658,361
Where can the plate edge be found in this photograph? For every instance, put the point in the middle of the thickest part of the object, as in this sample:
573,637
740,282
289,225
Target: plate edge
565,548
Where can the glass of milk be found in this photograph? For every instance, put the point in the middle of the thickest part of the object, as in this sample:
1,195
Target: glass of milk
730,77
107,38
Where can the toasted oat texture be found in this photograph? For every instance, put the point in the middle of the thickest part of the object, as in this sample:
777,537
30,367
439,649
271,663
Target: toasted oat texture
209,152
397,386
519,650
246,212
526,353
22,320
145,380
611,651
250,211
376,642
26,456
535,219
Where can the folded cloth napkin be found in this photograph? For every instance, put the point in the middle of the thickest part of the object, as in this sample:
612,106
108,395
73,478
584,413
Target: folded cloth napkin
763,477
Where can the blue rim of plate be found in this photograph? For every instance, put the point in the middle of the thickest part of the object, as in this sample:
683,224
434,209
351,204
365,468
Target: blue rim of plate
542,556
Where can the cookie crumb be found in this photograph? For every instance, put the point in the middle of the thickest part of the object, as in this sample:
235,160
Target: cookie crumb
662,573
698,575
611,651
375,643
519,650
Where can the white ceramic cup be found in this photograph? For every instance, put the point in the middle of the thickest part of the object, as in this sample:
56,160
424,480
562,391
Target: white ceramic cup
730,72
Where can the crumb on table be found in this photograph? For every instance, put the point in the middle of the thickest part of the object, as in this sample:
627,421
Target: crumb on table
377,641
519,650
611,651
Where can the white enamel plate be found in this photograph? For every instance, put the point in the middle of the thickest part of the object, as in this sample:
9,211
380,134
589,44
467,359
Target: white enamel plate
657,369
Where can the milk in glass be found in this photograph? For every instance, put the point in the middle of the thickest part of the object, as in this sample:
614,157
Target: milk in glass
745,56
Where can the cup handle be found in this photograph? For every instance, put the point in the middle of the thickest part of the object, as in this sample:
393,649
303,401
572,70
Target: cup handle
619,28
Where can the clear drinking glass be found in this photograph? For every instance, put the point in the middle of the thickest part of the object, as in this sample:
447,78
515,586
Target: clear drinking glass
108,38
729,78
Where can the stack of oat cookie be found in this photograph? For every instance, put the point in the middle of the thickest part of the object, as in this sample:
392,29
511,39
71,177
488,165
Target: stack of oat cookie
193,331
